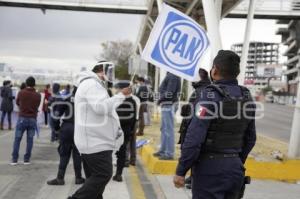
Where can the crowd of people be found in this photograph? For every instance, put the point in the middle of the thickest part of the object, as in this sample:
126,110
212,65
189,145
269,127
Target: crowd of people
91,121
120,116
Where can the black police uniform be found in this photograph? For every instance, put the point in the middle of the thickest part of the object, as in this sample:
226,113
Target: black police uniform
127,114
216,147
67,147
187,109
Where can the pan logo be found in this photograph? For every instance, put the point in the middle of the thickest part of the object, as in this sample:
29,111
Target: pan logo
180,44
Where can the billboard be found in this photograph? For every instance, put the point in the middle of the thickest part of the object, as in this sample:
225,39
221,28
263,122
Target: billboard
269,70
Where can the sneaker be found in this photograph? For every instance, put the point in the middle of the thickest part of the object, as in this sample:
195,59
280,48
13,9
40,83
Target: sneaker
79,180
118,178
165,158
140,134
27,162
132,163
13,163
56,181
157,154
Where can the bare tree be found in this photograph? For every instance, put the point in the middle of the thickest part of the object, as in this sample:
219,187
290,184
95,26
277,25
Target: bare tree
117,51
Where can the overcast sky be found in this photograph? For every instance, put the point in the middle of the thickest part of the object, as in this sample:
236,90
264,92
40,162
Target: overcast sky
72,39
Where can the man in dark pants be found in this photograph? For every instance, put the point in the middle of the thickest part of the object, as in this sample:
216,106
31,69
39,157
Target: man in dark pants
127,114
7,105
66,147
55,97
221,134
143,94
97,129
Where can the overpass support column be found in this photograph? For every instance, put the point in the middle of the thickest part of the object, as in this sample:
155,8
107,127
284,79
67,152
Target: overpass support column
246,43
212,21
159,73
294,146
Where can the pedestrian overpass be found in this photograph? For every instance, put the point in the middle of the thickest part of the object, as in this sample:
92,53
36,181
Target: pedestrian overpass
114,6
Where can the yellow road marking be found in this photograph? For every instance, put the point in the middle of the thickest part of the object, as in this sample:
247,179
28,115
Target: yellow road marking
135,184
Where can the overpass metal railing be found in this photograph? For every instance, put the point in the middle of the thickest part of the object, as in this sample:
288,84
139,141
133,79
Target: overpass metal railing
267,5
135,3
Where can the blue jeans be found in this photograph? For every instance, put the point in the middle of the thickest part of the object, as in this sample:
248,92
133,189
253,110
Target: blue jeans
28,125
167,146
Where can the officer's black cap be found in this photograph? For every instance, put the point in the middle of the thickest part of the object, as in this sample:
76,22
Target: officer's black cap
122,84
228,63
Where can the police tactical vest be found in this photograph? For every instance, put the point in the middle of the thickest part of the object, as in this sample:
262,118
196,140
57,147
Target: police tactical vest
227,129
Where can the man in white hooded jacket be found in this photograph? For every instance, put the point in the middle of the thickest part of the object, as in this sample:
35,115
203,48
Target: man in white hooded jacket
97,129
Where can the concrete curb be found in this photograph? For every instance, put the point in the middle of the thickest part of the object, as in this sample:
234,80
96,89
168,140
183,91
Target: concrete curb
283,171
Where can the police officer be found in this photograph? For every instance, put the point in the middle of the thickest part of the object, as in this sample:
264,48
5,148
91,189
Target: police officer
127,114
220,136
66,148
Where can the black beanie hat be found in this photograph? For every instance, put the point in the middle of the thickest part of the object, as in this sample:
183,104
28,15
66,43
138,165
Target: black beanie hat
122,84
55,88
30,81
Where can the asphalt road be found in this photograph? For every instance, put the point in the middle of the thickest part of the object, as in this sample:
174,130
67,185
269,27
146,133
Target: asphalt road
277,121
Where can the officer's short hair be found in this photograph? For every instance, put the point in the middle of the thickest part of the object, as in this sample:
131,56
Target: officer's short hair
99,67
228,64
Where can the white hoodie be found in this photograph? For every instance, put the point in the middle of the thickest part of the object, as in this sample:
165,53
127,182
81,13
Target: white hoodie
97,125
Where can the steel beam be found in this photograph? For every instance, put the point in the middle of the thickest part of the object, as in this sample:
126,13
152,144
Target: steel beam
76,7
191,7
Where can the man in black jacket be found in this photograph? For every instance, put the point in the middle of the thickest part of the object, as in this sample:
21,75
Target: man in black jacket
143,94
66,148
7,103
127,114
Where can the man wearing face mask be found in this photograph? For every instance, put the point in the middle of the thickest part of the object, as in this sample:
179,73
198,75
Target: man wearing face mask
97,129
220,136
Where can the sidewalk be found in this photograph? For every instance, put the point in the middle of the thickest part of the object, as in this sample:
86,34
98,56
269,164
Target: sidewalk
29,181
257,190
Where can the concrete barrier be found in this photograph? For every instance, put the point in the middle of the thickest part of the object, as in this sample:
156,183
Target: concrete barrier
283,171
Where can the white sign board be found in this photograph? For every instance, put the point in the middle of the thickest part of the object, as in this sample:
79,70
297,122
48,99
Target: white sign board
268,70
177,44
